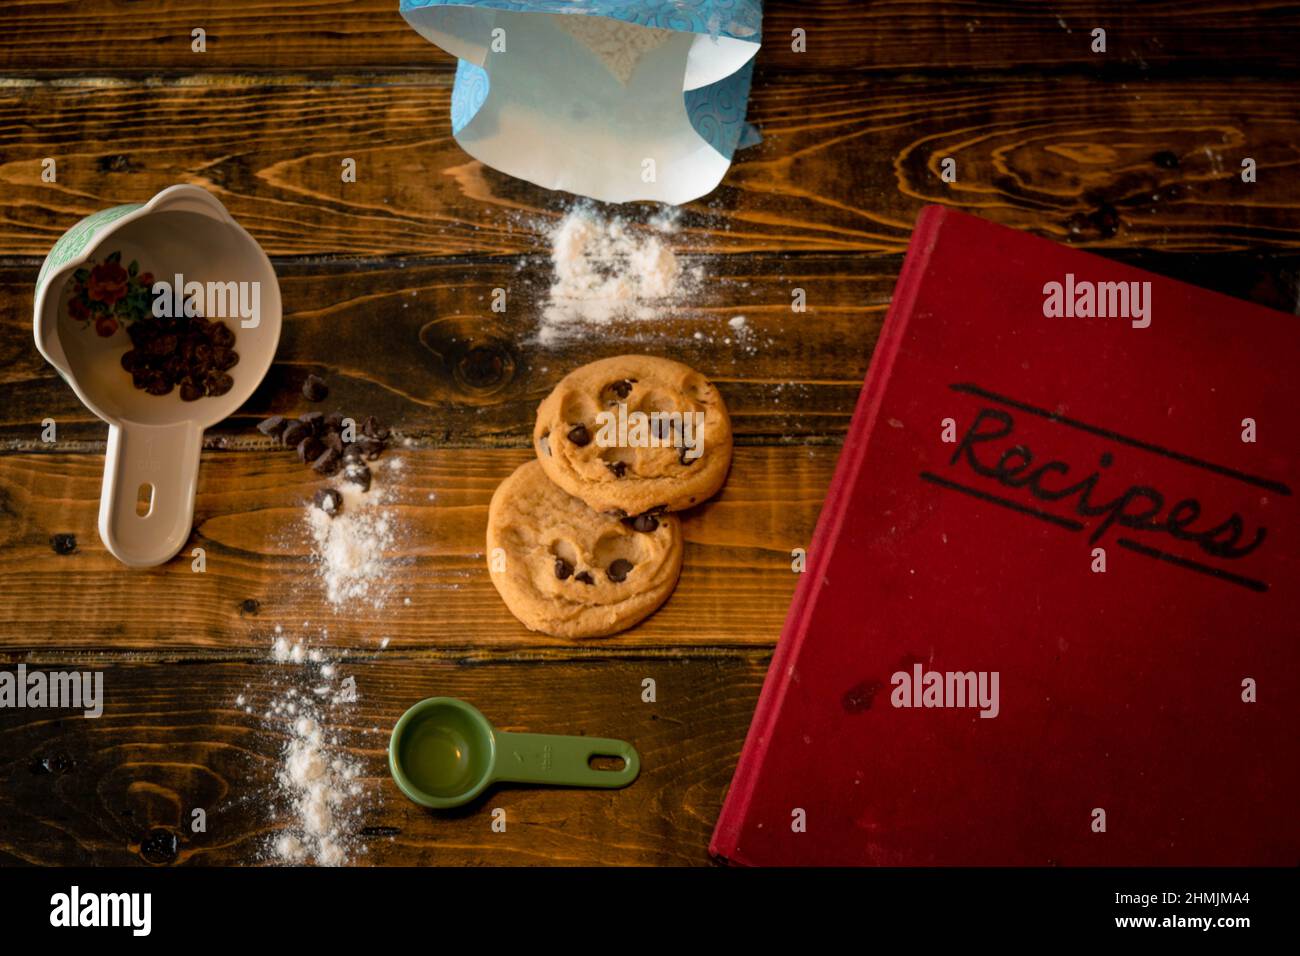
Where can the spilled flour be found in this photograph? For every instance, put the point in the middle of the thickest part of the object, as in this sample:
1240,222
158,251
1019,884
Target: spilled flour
351,548
317,788
607,270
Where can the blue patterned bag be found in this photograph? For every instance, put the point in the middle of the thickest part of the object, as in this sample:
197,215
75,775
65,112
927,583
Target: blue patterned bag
618,101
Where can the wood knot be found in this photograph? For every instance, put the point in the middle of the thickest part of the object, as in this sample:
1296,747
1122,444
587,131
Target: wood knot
160,846
55,763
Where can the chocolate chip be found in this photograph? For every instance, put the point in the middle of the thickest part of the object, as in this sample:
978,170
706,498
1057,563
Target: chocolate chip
644,523
371,448
293,433
620,389
314,389
309,449
218,383
681,457
313,420
562,568
579,435
272,427
219,334
328,500
328,462
334,421
618,569
334,440
224,359
63,543
352,451
374,428
617,468
584,577
357,474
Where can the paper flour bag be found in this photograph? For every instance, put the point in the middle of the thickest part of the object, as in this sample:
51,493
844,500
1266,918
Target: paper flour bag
639,99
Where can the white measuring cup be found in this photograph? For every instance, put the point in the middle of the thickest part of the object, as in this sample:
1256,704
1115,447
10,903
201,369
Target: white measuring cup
146,507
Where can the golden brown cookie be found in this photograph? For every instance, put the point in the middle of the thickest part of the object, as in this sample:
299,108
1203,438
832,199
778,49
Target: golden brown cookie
635,434
566,570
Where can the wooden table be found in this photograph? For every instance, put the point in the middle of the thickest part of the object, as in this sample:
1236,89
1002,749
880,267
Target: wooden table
1135,153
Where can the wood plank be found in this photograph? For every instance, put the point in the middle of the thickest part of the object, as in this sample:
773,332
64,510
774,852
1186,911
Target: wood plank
412,343
250,520
416,344
41,37
846,164
120,789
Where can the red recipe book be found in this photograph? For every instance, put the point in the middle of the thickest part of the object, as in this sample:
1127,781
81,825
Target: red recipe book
959,681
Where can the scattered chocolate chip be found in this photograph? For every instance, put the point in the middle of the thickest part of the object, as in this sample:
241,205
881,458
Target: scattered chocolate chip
313,420
371,448
309,449
334,421
585,577
272,427
57,762
374,428
618,569
249,606
357,474
328,462
293,433
617,468
579,435
562,568
334,440
352,452
63,543
328,500
314,389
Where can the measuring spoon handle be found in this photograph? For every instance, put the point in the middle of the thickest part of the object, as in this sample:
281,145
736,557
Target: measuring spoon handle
563,761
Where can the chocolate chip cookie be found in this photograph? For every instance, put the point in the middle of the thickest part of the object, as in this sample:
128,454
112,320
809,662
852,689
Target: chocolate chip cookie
569,571
635,434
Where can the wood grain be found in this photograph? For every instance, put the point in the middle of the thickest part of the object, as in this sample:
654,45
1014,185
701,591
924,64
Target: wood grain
250,520
120,789
42,37
846,164
417,344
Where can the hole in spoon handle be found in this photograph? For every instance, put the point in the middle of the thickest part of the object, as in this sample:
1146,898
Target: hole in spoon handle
563,761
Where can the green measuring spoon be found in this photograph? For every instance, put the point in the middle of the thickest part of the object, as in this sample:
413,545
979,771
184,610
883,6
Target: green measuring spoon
443,753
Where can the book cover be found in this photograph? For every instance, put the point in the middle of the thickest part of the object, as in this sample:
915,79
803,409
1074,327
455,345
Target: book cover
1048,616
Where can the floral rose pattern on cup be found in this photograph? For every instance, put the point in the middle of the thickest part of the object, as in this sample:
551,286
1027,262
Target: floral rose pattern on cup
110,295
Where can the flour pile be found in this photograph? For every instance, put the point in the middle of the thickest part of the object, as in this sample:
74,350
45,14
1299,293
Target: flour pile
351,545
607,270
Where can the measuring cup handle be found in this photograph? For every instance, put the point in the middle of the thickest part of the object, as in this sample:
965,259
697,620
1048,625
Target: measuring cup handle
563,761
146,508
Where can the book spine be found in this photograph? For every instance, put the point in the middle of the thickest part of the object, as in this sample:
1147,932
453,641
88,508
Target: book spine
725,843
